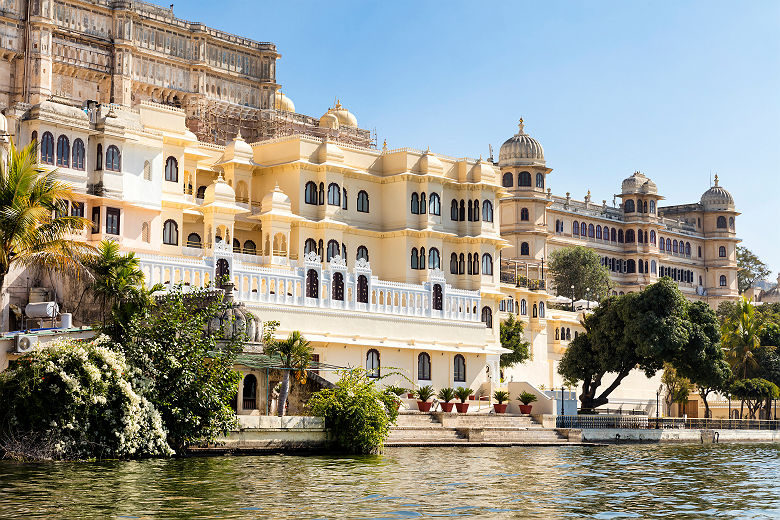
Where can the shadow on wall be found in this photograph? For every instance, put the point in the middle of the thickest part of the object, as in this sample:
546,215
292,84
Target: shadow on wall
299,393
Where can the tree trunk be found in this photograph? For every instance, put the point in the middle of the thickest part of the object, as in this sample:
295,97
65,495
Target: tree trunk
284,391
588,398
5,317
706,404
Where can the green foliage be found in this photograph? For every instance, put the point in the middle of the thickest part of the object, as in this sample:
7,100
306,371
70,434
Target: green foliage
462,393
446,394
397,390
751,269
186,366
512,338
294,354
641,330
527,398
79,397
356,412
754,392
501,396
678,388
581,267
424,393
741,332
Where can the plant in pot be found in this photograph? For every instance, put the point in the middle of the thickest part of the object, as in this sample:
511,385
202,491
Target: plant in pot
526,398
501,396
462,393
397,391
446,395
423,394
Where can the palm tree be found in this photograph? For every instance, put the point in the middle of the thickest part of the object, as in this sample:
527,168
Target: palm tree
294,354
741,337
117,277
34,229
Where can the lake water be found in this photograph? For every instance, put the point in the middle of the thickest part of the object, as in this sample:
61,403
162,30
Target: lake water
606,482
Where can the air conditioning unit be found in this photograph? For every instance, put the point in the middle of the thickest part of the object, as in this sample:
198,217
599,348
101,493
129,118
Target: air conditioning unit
25,343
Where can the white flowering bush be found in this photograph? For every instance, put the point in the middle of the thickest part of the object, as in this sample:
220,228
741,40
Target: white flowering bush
80,397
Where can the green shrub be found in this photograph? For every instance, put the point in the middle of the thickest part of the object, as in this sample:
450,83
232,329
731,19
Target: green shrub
396,390
76,400
424,393
446,394
501,396
462,393
357,413
526,398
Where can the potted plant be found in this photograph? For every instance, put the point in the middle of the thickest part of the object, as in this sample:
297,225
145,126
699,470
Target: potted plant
462,393
526,398
446,395
423,394
501,396
397,391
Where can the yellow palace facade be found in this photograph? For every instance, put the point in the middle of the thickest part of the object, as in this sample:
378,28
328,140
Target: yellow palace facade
383,258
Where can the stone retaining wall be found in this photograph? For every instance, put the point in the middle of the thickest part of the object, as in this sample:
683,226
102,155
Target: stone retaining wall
669,435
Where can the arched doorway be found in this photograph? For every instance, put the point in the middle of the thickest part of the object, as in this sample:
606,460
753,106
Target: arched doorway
362,289
312,284
249,401
437,297
223,270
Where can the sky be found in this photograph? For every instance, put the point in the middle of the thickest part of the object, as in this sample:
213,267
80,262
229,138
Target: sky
677,90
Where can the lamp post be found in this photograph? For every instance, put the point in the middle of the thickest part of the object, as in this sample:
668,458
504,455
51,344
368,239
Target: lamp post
658,406
563,412
572,298
587,296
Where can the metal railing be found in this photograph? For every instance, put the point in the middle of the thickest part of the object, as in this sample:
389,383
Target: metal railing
643,422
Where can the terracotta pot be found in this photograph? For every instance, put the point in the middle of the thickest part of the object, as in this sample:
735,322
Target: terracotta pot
424,406
525,409
446,407
472,397
462,407
410,395
500,408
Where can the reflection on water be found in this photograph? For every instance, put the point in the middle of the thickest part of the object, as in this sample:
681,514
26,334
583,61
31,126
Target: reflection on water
645,481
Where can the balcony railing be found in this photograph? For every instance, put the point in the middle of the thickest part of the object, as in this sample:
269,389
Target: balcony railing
644,422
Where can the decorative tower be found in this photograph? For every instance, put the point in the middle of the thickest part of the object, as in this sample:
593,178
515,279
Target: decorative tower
720,251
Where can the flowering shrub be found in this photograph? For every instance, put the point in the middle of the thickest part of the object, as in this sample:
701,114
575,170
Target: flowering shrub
80,398
356,412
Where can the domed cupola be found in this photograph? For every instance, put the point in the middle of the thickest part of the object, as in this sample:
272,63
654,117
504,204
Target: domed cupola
638,183
717,198
344,116
281,102
521,150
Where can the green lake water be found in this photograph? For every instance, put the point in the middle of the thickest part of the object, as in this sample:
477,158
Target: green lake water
606,482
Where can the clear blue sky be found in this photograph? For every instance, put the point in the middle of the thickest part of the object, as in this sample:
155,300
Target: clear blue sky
678,90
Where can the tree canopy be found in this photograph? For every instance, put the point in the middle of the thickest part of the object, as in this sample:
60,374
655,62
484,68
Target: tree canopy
641,330
751,269
512,338
580,267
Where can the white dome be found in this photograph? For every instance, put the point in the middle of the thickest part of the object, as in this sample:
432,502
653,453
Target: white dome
717,198
219,191
520,150
238,148
281,102
329,121
345,117
276,200
638,183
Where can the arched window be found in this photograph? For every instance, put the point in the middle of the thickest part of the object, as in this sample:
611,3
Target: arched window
193,240
687,249
171,169
424,366
541,309
79,155
534,311
629,236
487,211
310,193
362,201
415,204
475,263
434,259
63,151
661,244
462,211
487,317
723,280
652,266
334,194
421,265
437,297
669,245
644,206
640,236
557,334
639,205
620,236
699,251
652,237
524,179
506,180
721,220
523,307
487,264
201,192
47,149
454,210
422,203
362,252
613,235
333,250
568,334
575,228
250,247
321,194
598,232
249,395
591,231
99,157
469,265
630,266
476,210
312,284
372,363
731,222
434,204
309,246
539,180
338,286
236,245
453,263
628,207
675,248
524,249
459,369
171,233
524,214
722,251
583,229
113,159
652,206
415,259
641,267
461,264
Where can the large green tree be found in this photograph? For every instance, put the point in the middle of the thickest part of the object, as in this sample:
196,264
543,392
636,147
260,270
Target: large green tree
741,333
512,338
35,229
751,269
294,354
640,331
580,267
117,277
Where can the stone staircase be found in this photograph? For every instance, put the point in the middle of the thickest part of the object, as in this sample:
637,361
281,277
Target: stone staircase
443,429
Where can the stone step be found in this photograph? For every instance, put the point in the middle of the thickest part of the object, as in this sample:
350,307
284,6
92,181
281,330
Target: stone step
420,435
522,436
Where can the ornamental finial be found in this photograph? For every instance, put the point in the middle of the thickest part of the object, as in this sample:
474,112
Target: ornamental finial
520,127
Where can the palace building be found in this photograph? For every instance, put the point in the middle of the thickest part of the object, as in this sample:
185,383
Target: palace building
181,147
